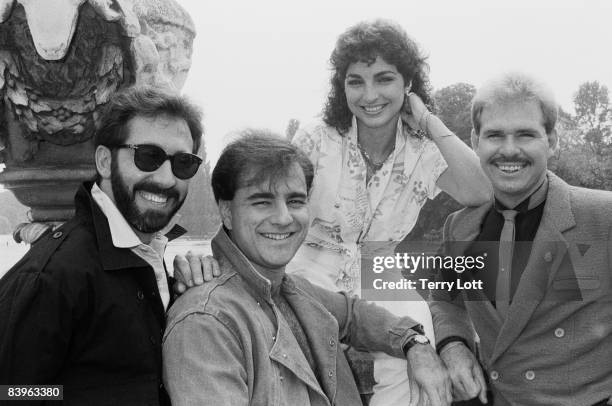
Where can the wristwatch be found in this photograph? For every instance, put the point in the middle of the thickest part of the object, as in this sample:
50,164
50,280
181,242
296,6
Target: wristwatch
414,340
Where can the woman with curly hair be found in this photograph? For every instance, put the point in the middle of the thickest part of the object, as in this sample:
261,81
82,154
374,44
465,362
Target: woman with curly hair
379,154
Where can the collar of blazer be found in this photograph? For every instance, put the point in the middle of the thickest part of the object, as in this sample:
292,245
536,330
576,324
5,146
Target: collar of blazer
465,224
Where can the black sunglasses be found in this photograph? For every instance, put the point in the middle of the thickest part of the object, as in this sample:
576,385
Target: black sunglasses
149,158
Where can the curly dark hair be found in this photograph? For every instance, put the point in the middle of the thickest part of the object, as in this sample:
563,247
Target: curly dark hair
364,42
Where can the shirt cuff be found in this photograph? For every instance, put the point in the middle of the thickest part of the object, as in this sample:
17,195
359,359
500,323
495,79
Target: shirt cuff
449,340
411,332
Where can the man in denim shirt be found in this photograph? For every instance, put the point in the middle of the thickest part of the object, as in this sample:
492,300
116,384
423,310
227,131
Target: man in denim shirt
257,336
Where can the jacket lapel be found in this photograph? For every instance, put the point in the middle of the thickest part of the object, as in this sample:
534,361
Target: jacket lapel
547,252
466,224
466,227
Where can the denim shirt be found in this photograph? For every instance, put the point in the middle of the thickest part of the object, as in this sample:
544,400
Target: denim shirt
228,344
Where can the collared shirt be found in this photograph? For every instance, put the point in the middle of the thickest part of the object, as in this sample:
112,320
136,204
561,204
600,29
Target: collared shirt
526,225
347,210
124,237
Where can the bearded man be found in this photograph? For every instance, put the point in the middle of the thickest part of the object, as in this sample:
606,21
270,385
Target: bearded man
85,307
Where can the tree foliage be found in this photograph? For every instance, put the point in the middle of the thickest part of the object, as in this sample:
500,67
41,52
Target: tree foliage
584,155
454,105
594,116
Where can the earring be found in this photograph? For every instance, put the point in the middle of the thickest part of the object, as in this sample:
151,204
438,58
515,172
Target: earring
407,97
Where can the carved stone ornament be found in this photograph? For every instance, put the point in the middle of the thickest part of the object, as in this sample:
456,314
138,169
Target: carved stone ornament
60,61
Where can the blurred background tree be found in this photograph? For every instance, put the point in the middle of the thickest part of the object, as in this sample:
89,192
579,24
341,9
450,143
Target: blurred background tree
593,116
584,156
453,105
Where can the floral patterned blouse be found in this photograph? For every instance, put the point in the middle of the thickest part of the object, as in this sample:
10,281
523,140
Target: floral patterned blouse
345,211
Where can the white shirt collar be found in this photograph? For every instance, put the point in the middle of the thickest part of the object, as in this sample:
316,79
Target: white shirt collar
122,234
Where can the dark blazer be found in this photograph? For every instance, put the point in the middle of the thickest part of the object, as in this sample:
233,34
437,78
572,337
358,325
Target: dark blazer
555,346
79,312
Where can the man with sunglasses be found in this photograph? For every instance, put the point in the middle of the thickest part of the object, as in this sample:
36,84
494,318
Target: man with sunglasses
86,307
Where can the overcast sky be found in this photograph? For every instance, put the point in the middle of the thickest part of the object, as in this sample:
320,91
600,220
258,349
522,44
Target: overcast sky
260,63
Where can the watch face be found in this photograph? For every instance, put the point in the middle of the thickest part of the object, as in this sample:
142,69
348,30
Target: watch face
414,340
421,339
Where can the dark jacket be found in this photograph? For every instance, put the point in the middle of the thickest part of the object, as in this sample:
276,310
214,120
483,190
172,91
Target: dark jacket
79,312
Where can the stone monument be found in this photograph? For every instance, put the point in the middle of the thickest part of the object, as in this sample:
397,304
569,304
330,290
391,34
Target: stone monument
60,61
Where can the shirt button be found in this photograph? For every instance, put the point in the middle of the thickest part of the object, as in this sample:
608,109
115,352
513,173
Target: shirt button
281,378
140,295
332,342
330,374
57,234
548,256
530,375
494,375
284,355
559,333
337,205
273,338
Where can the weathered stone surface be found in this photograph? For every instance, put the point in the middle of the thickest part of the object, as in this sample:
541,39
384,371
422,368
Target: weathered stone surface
60,62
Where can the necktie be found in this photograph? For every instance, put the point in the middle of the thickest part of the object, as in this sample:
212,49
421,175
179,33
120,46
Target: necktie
506,246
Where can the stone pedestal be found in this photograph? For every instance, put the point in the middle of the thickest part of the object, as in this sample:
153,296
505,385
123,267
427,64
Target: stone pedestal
60,63
48,191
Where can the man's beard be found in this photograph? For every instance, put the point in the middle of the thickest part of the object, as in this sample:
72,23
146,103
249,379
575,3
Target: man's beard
151,220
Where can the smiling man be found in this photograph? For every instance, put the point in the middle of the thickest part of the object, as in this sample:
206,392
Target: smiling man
256,336
544,319
85,308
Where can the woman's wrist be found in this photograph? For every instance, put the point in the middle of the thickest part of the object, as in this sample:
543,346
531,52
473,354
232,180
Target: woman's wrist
434,127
